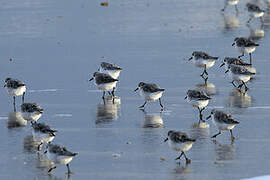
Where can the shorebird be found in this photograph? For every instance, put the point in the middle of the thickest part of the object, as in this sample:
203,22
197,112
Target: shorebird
223,122
104,82
31,111
198,99
241,75
203,60
42,133
237,61
150,92
111,69
254,12
179,141
15,88
59,155
245,46
230,3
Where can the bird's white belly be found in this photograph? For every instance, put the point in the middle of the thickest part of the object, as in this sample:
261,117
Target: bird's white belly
246,50
59,159
256,15
16,92
232,2
202,63
198,103
223,126
107,86
240,77
42,137
113,73
151,96
34,116
180,146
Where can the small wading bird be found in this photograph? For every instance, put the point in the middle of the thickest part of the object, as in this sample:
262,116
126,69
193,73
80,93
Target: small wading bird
230,3
254,12
111,69
179,141
104,82
15,88
203,60
59,155
223,122
241,75
150,92
31,111
197,99
42,133
245,46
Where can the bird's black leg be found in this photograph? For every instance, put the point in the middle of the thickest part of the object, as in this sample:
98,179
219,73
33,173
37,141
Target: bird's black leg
225,5
233,83
109,93
216,134
23,97
250,59
205,70
14,104
246,88
249,20
113,92
142,106
232,137
39,146
160,104
103,96
188,161
236,9
179,156
69,172
51,169
241,55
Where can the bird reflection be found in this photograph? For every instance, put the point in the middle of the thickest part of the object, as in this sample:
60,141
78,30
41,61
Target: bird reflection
200,130
108,111
224,151
52,177
152,120
15,119
238,99
30,145
256,34
179,169
230,22
266,18
207,87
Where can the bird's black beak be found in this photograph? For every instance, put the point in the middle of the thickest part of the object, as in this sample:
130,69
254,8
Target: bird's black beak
45,152
227,71
166,139
136,89
186,97
208,117
91,79
5,85
190,58
233,44
222,65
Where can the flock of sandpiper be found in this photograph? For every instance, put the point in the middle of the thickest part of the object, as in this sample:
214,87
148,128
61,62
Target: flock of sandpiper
106,79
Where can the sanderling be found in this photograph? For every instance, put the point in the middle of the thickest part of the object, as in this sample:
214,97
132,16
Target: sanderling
223,121
150,92
15,88
237,61
198,99
203,60
241,75
59,155
104,82
42,133
179,141
230,3
245,46
254,12
111,69
31,111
